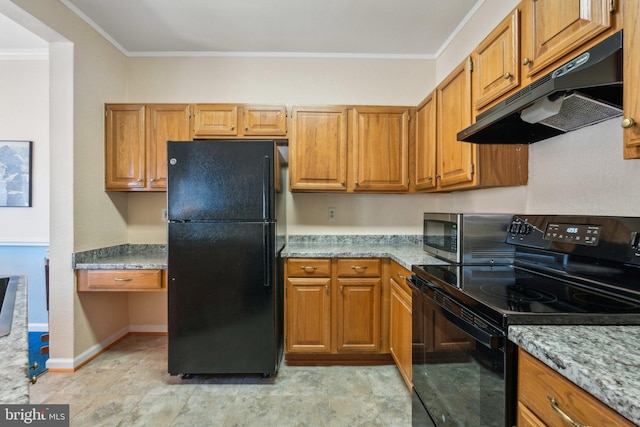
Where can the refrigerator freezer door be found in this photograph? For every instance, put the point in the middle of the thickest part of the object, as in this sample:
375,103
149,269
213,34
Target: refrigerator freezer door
221,180
225,303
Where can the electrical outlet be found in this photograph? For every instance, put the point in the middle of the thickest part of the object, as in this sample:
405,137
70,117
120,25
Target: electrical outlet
332,214
165,216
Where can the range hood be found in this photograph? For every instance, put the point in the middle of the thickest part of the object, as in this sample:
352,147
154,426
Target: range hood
582,92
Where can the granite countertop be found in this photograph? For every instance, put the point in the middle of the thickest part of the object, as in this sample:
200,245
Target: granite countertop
405,250
122,257
14,352
603,360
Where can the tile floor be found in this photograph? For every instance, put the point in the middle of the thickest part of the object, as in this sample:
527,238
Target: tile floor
128,385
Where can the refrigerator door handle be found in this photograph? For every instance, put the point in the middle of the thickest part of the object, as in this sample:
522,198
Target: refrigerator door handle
266,257
266,193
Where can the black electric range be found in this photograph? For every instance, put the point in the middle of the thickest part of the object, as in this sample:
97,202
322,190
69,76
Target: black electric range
565,270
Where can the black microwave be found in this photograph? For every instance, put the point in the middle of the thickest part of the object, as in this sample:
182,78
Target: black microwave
475,238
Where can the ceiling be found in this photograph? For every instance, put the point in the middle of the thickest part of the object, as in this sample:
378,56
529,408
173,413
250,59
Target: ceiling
341,28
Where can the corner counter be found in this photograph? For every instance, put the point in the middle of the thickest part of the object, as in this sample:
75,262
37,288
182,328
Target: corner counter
14,352
406,250
602,360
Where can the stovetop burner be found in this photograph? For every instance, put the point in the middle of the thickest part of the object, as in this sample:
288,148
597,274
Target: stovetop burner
508,293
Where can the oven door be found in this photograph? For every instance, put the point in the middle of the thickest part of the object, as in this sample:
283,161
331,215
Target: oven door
462,373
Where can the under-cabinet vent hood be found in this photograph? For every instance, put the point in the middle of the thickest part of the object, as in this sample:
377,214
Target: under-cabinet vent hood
582,92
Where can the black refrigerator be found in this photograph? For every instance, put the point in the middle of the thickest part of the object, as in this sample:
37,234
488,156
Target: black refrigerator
226,230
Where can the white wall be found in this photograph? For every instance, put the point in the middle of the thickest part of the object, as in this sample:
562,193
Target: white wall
24,116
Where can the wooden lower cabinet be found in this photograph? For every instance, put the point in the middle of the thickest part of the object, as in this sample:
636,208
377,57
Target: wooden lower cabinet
400,340
121,280
334,311
546,398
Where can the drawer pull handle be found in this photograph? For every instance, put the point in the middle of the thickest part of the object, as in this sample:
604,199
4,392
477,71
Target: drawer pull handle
359,267
308,268
564,415
123,279
401,276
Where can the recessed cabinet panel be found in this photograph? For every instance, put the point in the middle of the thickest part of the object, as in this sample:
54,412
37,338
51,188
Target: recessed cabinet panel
318,149
425,154
215,120
496,62
358,318
125,146
560,27
264,120
165,122
308,315
453,102
380,160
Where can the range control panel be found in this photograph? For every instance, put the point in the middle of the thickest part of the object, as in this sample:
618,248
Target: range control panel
580,234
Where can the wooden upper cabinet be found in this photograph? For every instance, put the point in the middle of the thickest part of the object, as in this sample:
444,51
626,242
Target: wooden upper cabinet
125,147
318,149
497,62
453,113
425,146
631,94
239,121
380,160
165,122
211,120
264,120
559,27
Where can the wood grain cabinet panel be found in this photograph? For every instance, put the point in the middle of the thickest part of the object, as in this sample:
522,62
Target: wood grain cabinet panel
547,395
558,28
318,149
400,318
264,120
425,146
308,318
497,62
125,158
215,120
631,93
358,315
120,280
380,159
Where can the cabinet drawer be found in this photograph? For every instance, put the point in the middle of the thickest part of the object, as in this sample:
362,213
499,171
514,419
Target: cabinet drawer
399,274
537,383
358,267
120,280
306,267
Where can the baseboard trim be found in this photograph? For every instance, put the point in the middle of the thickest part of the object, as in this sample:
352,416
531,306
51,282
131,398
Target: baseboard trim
71,365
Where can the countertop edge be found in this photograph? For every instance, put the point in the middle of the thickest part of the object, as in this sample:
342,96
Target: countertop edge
574,352
14,351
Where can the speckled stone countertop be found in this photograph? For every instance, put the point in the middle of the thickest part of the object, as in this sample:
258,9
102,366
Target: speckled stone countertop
14,352
122,257
405,250
603,360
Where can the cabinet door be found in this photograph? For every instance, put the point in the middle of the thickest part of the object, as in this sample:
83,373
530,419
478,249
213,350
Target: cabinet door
264,120
124,147
318,149
215,120
496,62
358,315
560,27
453,104
165,122
400,330
631,95
380,160
426,144
308,315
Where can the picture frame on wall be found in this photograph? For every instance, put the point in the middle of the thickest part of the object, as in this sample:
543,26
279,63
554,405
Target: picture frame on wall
15,173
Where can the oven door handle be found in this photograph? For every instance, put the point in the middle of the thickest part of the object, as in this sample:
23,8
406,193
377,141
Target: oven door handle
489,340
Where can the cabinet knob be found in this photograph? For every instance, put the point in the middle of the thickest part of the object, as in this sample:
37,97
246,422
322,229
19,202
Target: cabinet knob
429,178
507,75
357,183
232,127
326,287
139,179
341,288
627,122
246,128
526,61
342,183
152,180
34,366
